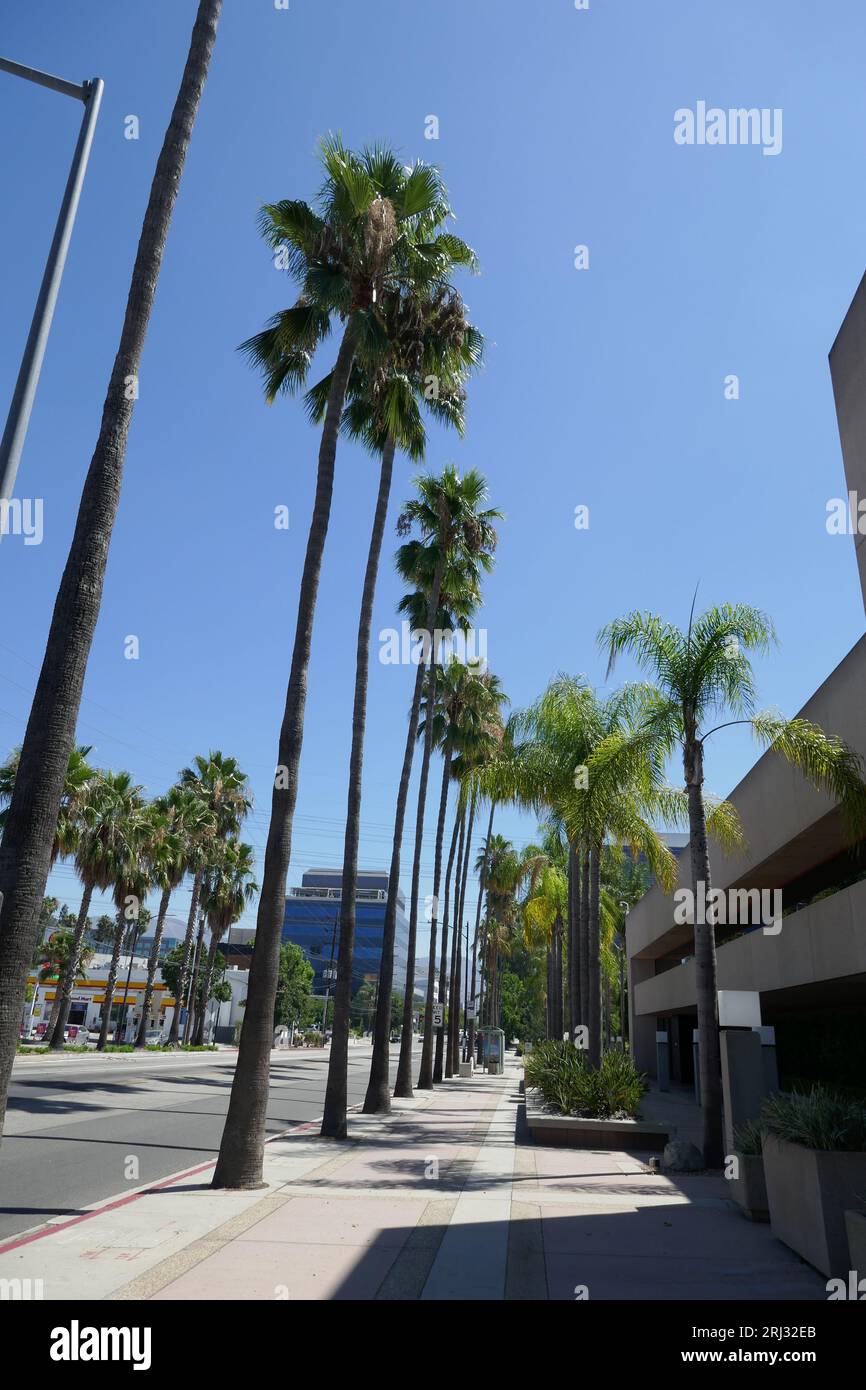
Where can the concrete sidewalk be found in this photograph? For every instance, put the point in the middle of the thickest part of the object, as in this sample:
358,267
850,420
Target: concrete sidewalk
440,1200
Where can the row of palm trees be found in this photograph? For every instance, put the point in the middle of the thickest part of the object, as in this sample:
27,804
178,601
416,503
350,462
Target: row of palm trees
373,259
597,768
122,844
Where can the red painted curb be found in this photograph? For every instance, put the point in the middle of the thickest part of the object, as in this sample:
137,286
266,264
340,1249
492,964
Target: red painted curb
52,1229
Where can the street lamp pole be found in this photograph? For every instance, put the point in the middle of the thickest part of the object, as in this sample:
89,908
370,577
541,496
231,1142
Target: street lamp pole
90,93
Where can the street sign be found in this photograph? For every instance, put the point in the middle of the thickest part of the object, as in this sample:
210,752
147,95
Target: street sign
438,1013
470,1012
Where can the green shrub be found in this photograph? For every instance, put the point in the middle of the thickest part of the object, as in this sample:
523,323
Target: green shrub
571,1086
748,1137
817,1119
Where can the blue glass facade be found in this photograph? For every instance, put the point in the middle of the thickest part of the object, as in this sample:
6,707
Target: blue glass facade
312,921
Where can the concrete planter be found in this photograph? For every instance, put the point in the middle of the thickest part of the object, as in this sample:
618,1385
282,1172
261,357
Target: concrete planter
749,1190
572,1132
809,1191
855,1223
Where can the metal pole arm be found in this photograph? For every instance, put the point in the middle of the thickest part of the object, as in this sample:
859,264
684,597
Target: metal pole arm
45,79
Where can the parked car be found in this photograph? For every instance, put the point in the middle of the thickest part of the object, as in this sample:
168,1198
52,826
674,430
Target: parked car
153,1037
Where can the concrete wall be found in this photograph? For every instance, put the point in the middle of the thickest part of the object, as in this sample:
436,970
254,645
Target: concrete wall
848,372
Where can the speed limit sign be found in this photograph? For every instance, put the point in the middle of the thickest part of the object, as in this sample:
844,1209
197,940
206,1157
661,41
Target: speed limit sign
437,1015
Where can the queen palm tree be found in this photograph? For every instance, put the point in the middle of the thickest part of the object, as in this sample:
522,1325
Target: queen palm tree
701,676
25,853
183,830
504,873
223,792
544,910
227,888
374,234
576,761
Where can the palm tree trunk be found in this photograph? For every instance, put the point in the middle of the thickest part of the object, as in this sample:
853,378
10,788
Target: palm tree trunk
438,1065
25,854
68,982
425,1074
403,1084
453,986
205,996
583,933
192,1008
594,1016
153,961
111,981
574,938
705,981
455,1030
336,1100
242,1147
475,937
189,936
377,1100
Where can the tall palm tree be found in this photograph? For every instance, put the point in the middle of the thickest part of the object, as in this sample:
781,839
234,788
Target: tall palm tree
701,676
427,338
25,853
414,605
478,737
77,786
183,830
130,884
223,791
543,912
228,887
112,799
372,235
456,544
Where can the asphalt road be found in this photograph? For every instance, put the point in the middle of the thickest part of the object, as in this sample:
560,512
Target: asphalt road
73,1125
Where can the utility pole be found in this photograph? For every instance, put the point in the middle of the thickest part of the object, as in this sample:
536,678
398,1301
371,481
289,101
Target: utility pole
90,93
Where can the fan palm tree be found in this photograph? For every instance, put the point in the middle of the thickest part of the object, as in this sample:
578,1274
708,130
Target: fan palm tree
227,888
183,830
428,338
77,787
375,233
415,605
701,676
130,884
223,792
25,853
112,798
455,546
477,738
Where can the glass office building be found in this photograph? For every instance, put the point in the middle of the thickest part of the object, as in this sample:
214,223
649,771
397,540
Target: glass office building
312,921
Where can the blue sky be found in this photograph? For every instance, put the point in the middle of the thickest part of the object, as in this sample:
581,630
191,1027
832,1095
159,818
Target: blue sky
602,387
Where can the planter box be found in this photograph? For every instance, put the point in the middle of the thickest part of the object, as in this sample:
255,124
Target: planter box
749,1190
808,1192
855,1222
571,1132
